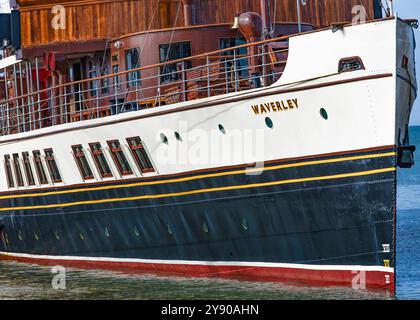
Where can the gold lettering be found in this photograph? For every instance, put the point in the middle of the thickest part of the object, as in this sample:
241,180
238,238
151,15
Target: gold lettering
283,105
262,109
278,106
273,106
296,102
255,108
289,102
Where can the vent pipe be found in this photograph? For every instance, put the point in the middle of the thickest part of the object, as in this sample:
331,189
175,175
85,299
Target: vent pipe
188,12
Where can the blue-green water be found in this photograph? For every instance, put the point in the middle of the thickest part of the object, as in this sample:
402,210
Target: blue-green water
24,281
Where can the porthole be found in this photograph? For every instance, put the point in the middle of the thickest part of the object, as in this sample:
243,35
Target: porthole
107,232
222,129
57,236
178,136
245,224
205,227
169,229
323,113
269,122
163,138
136,231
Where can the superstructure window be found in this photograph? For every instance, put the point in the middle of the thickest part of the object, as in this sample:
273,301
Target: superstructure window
140,155
100,160
39,167
28,169
119,158
241,64
174,51
350,64
18,171
52,165
132,61
82,162
104,81
9,174
94,83
115,70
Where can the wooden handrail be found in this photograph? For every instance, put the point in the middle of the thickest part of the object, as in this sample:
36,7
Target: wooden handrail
157,65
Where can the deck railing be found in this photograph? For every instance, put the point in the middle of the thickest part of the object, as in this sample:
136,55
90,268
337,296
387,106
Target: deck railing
205,75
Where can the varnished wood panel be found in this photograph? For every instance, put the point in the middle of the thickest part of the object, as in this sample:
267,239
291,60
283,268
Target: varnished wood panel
101,19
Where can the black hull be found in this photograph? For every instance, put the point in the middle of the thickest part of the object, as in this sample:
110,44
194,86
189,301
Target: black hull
324,210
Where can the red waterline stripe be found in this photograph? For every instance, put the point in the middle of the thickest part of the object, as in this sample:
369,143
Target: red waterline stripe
374,279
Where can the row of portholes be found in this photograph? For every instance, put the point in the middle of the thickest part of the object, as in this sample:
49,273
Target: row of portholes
136,231
268,122
178,137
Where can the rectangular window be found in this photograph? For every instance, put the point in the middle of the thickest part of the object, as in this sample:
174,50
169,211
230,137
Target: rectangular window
241,64
132,61
18,171
100,160
82,162
9,174
174,51
140,155
39,167
52,165
105,81
28,169
119,158
116,69
94,83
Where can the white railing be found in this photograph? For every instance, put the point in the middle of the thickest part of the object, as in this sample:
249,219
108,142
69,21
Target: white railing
206,75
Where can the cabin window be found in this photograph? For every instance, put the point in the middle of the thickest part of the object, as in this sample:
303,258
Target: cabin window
18,171
28,169
350,64
140,155
115,70
132,61
105,81
100,160
174,51
82,162
92,74
52,165
39,167
119,158
9,175
241,64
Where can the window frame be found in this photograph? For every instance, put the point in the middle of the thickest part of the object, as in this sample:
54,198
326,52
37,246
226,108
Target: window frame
348,60
39,167
241,64
113,152
30,177
9,171
51,159
17,170
163,76
78,156
97,162
133,78
141,146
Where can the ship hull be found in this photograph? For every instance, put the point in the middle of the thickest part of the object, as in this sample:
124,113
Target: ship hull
326,224
319,207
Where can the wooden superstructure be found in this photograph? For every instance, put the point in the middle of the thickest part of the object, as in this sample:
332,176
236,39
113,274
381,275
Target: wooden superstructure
90,22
